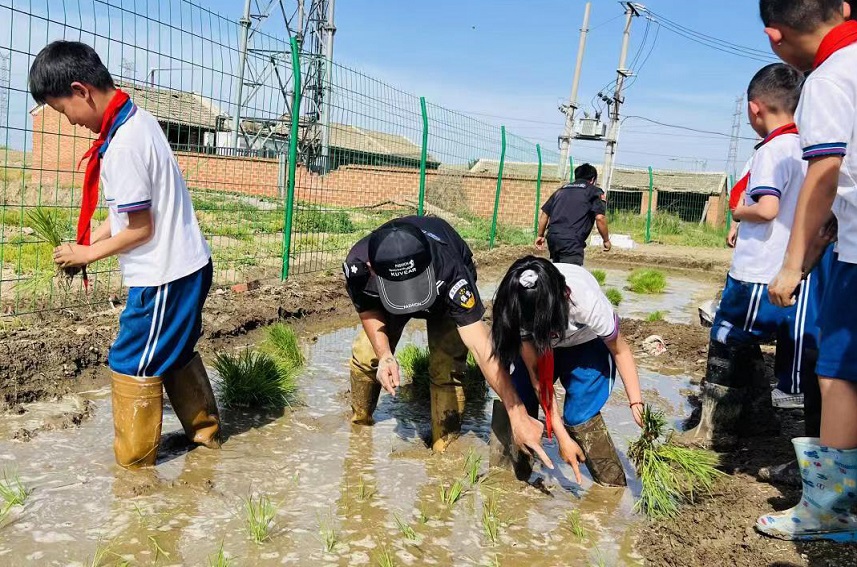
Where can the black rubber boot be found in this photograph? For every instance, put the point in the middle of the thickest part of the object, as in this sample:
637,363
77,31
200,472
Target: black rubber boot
758,416
503,452
722,396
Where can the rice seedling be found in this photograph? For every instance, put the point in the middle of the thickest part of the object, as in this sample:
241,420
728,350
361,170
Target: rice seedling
100,557
414,364
281,342
656,316
48,227
598,559
670,475
254,380
13,492
614,296
159,551
328,535
647,281
452,494
600,276
406,530
575,524
259,516
384,557
36,285
490,519
364,492
220,559
472,465
423,518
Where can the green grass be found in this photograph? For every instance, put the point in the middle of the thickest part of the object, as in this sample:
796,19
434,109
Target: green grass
414,364
451,494
259,514
281,342
314,219
647,281
656,316
600,276
219,559
254,380
478,230
614,295
667,228
670,475
325,242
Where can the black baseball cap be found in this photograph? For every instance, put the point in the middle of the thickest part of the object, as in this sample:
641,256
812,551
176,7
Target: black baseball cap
400,256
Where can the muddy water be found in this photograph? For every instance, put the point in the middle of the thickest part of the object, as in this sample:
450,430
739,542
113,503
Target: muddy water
319,471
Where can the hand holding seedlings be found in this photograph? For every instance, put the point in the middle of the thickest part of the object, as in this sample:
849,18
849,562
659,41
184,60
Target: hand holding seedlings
71,255
388,374
637,412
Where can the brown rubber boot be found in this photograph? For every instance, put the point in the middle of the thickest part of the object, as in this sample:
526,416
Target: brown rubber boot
365,388
190,394
503,452
447,409
602,460
138,405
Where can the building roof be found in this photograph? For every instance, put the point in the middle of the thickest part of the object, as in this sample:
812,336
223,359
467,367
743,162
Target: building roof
175,107
624,178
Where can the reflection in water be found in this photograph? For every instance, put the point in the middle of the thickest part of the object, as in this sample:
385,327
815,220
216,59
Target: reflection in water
321,472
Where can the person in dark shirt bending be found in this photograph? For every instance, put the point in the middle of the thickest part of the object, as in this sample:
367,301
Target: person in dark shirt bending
569,215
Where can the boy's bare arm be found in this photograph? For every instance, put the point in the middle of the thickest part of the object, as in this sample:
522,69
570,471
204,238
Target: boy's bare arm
100,233
765,209
140,229
813,211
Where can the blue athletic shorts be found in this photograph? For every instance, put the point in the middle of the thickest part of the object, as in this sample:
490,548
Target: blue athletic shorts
837,321
747,316
160,326
586,371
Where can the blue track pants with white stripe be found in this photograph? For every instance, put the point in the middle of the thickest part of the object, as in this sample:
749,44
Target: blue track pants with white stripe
747,316
160,326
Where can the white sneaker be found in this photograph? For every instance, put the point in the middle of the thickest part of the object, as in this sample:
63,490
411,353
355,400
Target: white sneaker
782,400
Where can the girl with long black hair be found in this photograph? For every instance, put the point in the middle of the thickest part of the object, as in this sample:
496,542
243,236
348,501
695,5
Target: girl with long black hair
552,321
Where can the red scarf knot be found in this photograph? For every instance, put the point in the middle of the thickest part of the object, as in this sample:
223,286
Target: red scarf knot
841,36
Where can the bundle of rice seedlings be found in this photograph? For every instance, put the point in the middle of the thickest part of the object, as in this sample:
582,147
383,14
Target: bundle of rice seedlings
647,281
47,227
614,295
414,364
254,380
670,475
281,343
600,276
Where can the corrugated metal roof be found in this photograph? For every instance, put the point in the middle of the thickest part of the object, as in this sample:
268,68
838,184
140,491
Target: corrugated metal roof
175,107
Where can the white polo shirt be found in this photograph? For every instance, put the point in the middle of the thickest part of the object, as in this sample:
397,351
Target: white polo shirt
778,170
827,120
138,172
591,315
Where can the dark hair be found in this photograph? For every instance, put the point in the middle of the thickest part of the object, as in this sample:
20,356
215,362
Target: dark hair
542,310
62,63
801,15
586,172
777,85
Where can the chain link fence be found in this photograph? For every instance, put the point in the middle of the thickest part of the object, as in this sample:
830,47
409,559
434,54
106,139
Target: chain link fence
323,153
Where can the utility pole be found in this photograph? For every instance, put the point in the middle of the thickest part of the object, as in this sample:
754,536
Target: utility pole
330,30
631,11
4,90
245,22
732,160
570,108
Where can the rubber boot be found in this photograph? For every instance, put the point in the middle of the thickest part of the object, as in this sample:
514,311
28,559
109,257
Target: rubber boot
138,405
829,495
447,409
602,460
192,398
722,400
502,450
789,473
365,388
758,416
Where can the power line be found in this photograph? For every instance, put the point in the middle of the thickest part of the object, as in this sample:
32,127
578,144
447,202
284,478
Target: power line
688,128
711,39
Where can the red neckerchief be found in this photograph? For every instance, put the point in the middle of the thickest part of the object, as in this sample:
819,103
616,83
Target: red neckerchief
841,36
741,186
546,391
89,199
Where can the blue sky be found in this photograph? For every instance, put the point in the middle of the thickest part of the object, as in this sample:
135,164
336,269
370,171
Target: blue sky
514,60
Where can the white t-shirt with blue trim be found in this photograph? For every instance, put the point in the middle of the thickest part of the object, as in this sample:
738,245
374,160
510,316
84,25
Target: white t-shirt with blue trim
827,120
776,169
591,314
139,172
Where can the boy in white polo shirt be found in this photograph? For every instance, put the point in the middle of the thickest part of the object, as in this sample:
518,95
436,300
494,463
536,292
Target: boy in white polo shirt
163,256
814,36
735,382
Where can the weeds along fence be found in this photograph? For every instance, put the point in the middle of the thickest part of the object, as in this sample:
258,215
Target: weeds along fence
323,153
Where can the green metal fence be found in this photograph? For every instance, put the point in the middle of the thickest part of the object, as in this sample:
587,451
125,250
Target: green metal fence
325,153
